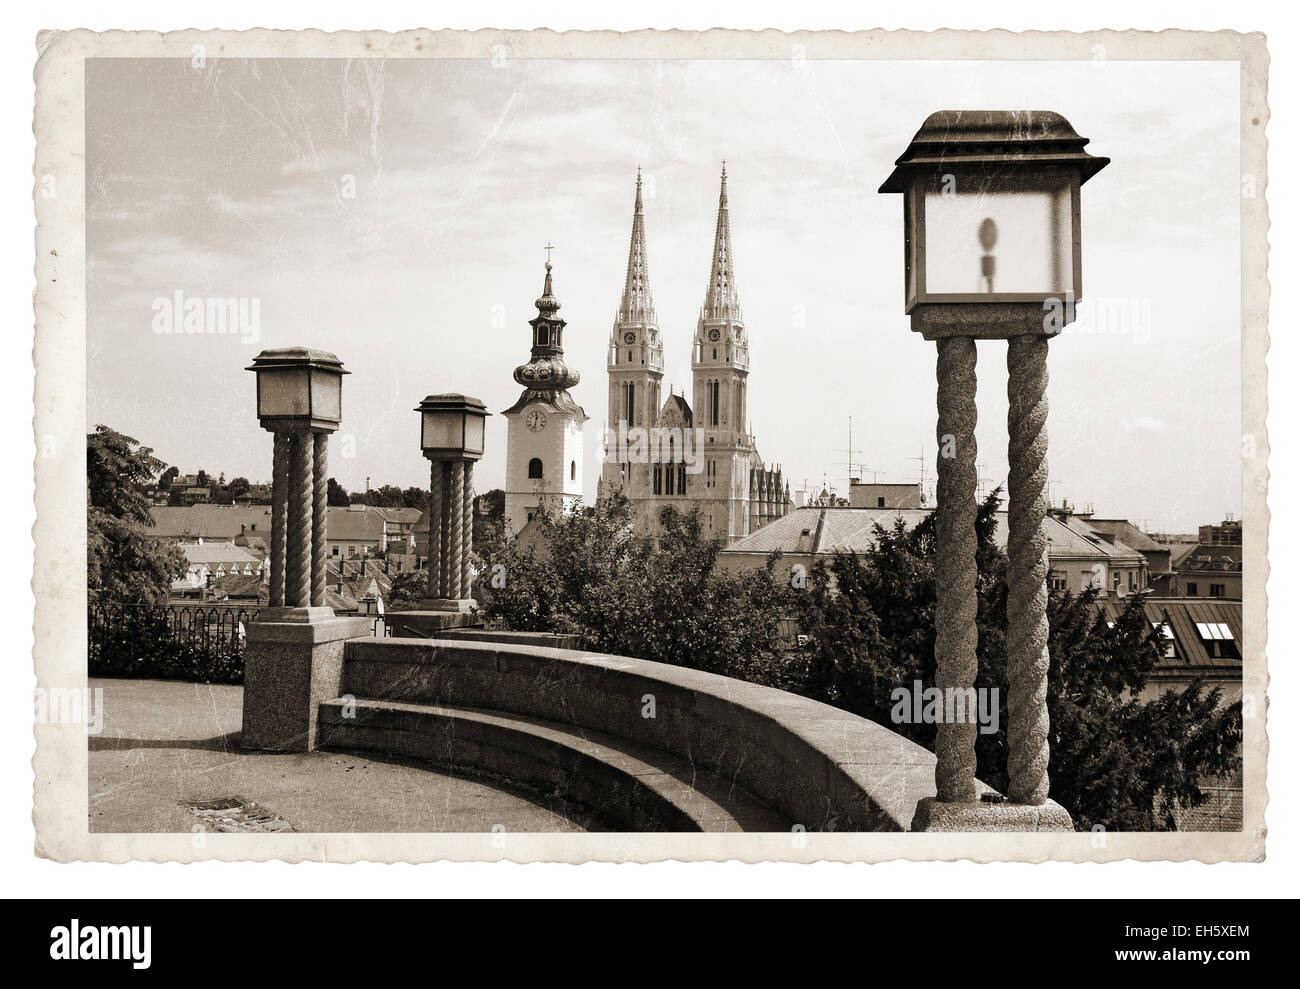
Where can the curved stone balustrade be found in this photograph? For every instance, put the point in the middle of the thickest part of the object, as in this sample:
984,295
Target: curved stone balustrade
642,744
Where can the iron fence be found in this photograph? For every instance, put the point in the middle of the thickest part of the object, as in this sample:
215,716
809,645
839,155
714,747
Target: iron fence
173,641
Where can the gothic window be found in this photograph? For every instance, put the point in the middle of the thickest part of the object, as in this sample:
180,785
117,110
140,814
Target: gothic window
681,478
659,477
573,470
534,469
668,488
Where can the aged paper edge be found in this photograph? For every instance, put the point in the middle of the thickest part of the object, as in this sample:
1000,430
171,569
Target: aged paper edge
60,813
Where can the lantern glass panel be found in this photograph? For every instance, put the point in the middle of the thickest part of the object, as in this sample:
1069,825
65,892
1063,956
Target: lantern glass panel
442,431
978,240
282,392
326,395
474,433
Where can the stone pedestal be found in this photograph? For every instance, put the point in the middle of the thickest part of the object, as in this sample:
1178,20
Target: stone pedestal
293,660
427,621
934,815
458,605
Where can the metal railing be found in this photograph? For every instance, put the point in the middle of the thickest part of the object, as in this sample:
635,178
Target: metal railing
174,641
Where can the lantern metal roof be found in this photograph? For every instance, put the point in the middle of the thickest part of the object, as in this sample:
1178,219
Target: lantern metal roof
452,403
296,357
993,138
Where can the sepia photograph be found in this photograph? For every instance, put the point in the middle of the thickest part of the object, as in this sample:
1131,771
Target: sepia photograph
783,448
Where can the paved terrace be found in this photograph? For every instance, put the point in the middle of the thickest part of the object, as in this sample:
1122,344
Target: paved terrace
479,731
166,745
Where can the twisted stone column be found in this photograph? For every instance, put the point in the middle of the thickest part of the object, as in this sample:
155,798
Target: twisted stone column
297,567
279,514
1027,655
455,551
448,495
435,528
467,528
955,569
320,505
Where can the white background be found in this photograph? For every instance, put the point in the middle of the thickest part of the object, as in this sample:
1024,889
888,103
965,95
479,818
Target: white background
25,875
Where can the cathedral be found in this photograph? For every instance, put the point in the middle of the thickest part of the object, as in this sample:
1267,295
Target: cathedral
662,452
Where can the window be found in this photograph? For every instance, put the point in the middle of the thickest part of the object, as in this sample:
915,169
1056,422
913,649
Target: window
334,551
573,470
659,478
1216,590
1218,640
1191,590
1167,633
880,502
352,551
543,335
681,478
534,469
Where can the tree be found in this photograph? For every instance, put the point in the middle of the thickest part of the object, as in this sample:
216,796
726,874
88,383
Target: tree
624,594
408,587
414,497
335,495
117,468
201,479
1116,761
167,476
123,563
238,486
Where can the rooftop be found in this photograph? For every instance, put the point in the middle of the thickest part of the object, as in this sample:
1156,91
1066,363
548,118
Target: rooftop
825,531
218,552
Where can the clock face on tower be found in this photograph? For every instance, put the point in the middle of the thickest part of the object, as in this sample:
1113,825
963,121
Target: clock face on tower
714,335
629,337
535,420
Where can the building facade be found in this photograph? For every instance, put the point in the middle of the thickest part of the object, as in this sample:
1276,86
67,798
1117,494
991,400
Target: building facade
544,427
863,494
689,455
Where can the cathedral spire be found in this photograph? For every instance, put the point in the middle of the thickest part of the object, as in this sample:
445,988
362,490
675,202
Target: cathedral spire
721,300
637,304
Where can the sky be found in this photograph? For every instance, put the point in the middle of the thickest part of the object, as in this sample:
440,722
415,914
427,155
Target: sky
395,212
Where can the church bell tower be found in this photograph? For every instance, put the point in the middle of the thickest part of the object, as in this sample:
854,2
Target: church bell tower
720,373
636,358
544,427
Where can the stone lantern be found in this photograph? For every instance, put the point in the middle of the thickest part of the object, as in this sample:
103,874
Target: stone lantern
452,429
991,212
293,658
300,401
